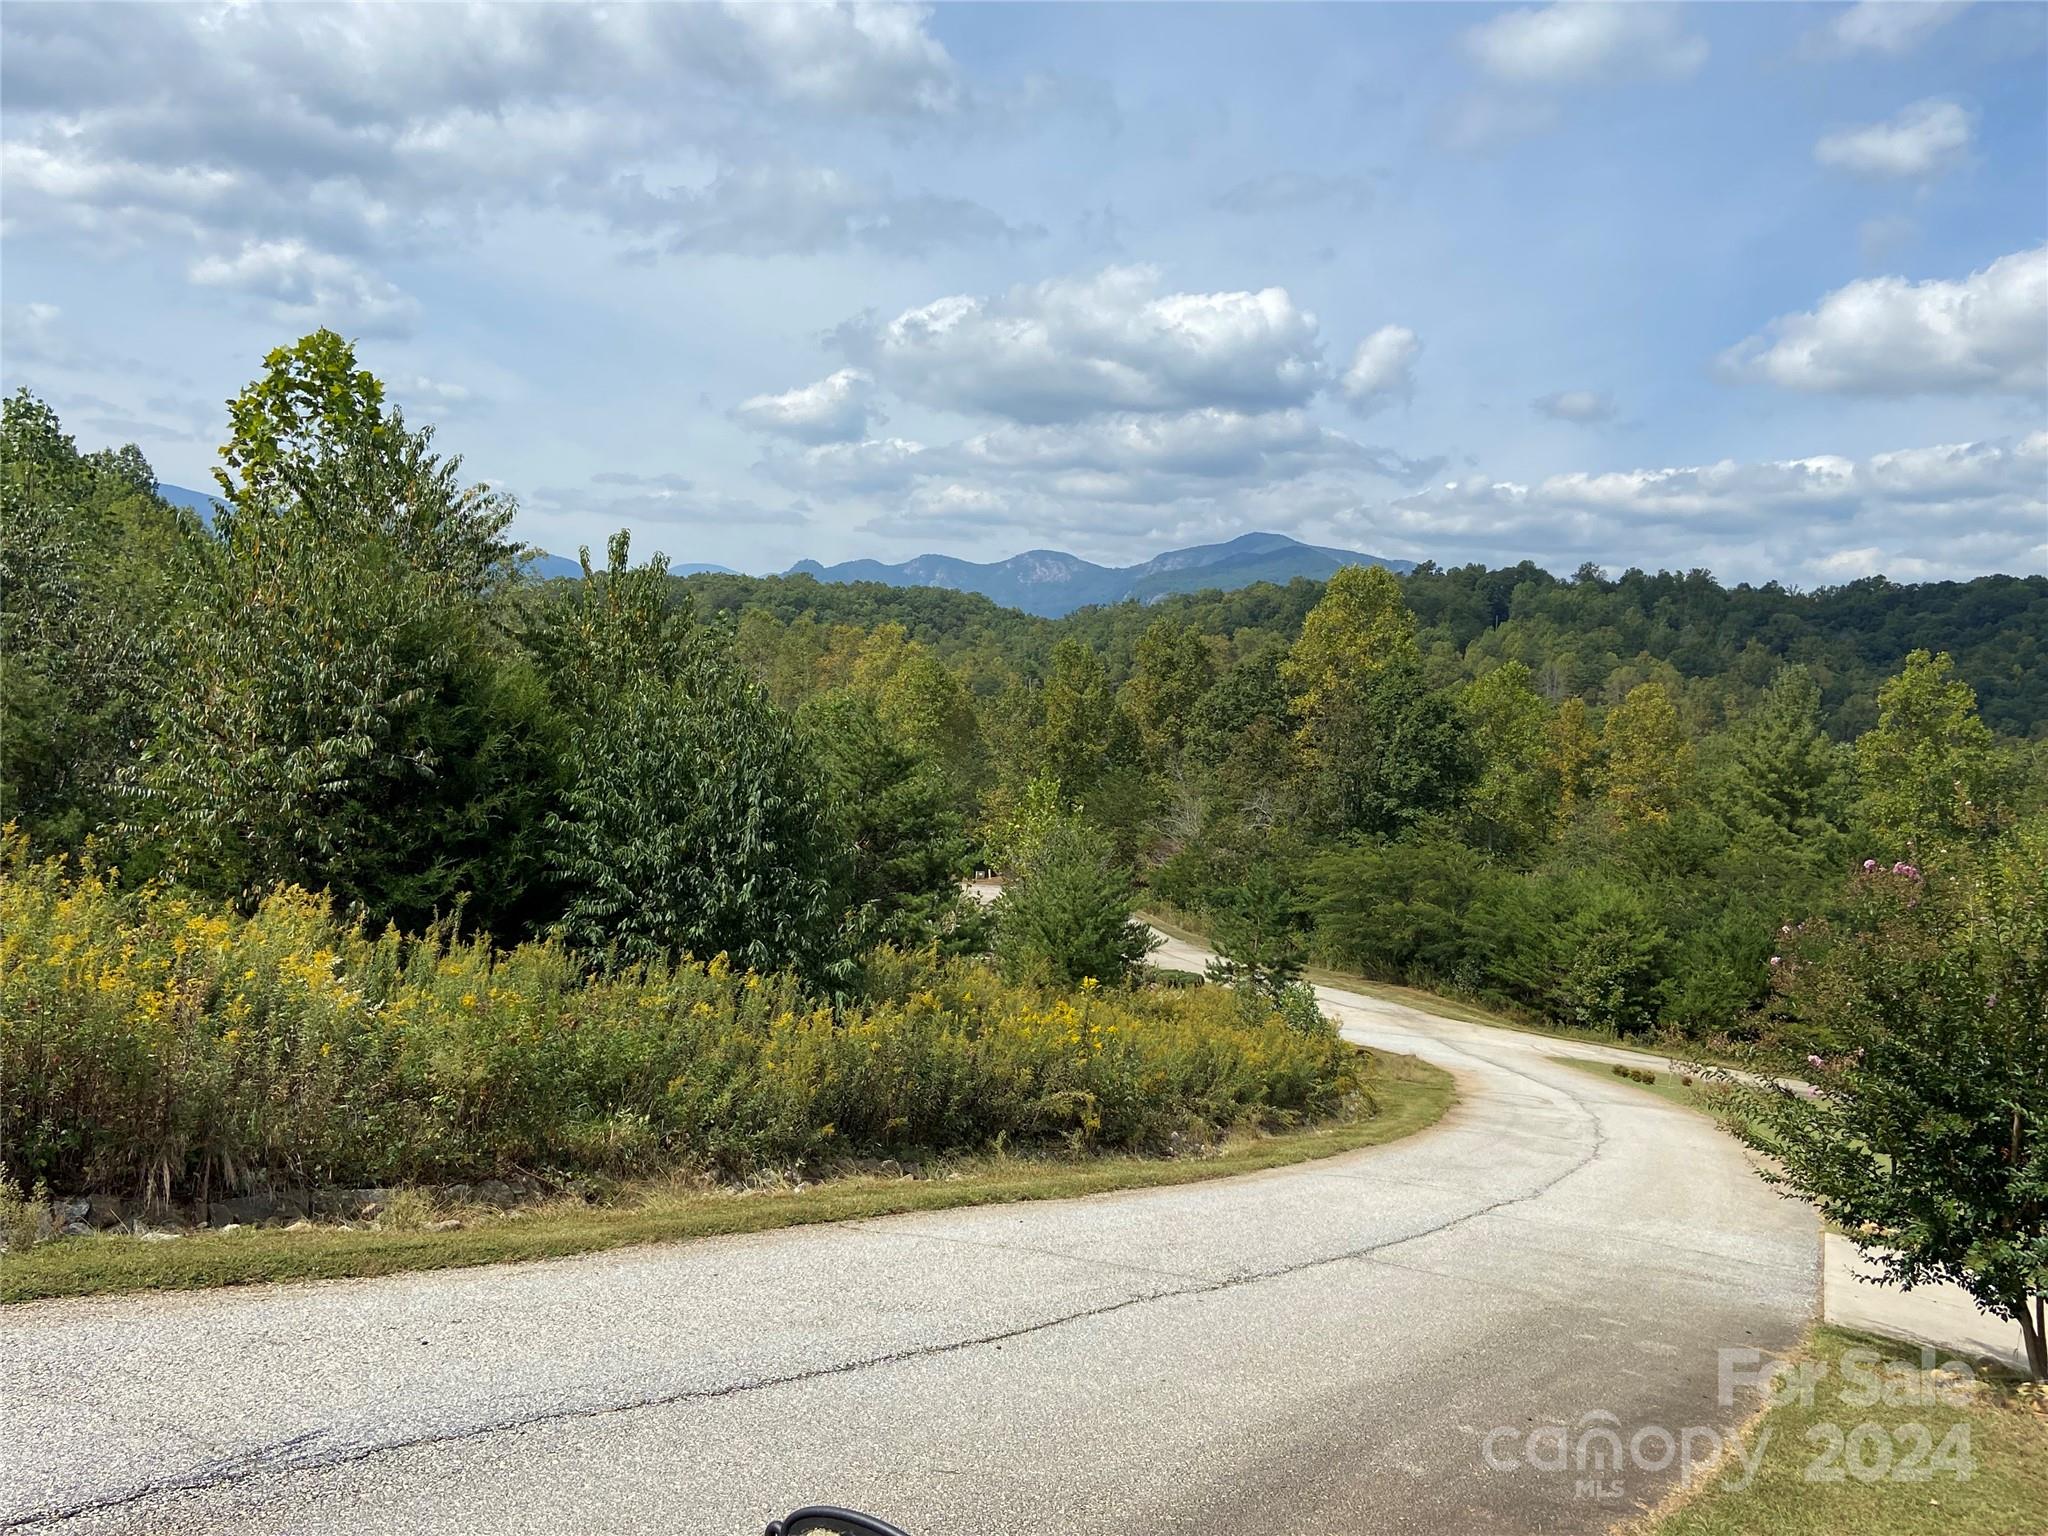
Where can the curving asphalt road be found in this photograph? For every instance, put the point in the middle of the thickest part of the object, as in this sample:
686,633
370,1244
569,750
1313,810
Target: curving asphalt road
1362,1344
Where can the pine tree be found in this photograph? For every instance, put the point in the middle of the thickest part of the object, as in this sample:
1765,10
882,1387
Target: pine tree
1784,787
1068,919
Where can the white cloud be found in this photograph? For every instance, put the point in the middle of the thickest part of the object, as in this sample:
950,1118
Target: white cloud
1923,140
861,57
1209,442
1987,333
654,500
1952,510
1571,44
1891,26
362,131
1103,470
834,409
1581,405
1382,369
309,287
840,470
440,391
28,333
1073,347
767,210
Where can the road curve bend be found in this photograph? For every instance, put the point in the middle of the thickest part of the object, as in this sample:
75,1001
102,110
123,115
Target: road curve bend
1371,1343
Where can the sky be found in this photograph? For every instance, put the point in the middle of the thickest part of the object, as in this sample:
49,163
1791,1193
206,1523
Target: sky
1756,288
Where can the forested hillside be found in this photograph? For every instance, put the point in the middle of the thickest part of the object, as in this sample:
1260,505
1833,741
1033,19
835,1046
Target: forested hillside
1594,800
1584,635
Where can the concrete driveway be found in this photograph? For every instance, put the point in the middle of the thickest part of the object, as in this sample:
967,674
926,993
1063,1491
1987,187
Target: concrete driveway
1388,1341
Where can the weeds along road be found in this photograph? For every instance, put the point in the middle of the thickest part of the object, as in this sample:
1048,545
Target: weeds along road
1322,1348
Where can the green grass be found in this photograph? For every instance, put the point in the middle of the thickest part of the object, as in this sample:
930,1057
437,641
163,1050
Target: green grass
2005,1494
1411,1096
1666,1086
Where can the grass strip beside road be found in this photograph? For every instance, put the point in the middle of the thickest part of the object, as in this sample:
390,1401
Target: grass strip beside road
1411,1095
1924,1460
1665,1084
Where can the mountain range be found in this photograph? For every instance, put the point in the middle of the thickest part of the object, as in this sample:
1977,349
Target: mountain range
1050,582
543,566
1046,582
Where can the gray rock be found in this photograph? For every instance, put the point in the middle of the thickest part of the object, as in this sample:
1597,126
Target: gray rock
105,1213
450,1225
352,1204
496,1192
157,1236
249,1210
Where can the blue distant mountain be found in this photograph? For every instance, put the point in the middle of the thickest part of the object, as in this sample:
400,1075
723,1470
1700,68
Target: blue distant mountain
543,566
1050,583
200,502
547,567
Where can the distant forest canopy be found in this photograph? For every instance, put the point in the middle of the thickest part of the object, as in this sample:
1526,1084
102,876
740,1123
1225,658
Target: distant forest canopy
1584,636
1600,802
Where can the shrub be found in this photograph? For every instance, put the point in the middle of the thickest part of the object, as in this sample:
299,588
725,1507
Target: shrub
1068,920
1297,1006
24,1218
1918,1018
153,1040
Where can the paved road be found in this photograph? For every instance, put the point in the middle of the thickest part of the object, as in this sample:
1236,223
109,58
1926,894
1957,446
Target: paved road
1324,1348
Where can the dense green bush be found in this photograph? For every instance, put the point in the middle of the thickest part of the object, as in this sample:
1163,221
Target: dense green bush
152,1039
1916,1018
1067,919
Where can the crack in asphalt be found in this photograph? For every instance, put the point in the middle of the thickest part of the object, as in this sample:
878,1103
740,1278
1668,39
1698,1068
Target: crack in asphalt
288,1455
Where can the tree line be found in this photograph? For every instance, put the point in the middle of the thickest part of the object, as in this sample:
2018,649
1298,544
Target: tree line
628,868
1592,800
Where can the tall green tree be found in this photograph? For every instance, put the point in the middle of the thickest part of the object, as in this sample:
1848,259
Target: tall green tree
1514,800
1083,733
1381,749
1169,674
1646,757
1388,753
1572,757
908,845
91,562
930,710
1785,785
1929,771
1358,628
350,717
616,626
